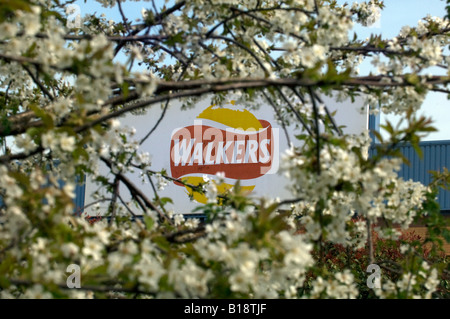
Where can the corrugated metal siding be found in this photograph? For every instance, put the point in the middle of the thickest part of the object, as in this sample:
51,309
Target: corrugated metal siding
374,125
80,192
436,156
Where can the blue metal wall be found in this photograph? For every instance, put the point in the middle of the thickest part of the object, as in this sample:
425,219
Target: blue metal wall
80,193
436,156
78,201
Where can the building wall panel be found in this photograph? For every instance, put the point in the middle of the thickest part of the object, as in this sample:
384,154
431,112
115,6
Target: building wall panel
436,156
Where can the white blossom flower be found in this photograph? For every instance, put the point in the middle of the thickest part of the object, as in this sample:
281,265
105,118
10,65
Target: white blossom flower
69,250
92,248
150,271
117,261
161,182
239,282
37,292
69,189
178,219
432,282
25,142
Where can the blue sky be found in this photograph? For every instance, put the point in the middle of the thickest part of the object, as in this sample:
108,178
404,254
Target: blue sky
397,13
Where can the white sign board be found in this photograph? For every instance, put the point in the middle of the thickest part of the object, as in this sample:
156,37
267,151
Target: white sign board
231,140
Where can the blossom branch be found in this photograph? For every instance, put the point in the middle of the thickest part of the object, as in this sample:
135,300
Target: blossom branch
135,191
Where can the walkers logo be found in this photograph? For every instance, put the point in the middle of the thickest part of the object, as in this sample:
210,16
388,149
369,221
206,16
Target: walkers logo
224,140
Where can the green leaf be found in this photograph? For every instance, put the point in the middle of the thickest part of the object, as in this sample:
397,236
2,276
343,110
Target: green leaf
412,79
149,222
418,150
8,7
80,152
125,89
378,136
46,118
31,50
165,200
446,234
388,128
177,38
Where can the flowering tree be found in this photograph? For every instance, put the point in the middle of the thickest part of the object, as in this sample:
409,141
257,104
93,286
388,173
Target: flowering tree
63,86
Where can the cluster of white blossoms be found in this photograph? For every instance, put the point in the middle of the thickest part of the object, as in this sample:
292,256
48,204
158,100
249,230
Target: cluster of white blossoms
118,140
253,270
398,100
63,90
311,55
62,142
368,12
345,187
411,285
284,27
246,267
26,22
161,182
13,221
12,189
341,287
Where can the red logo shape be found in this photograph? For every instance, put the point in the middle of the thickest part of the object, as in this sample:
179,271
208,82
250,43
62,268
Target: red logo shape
203,149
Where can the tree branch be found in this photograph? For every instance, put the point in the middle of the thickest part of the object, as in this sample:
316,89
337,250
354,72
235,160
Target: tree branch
136,192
